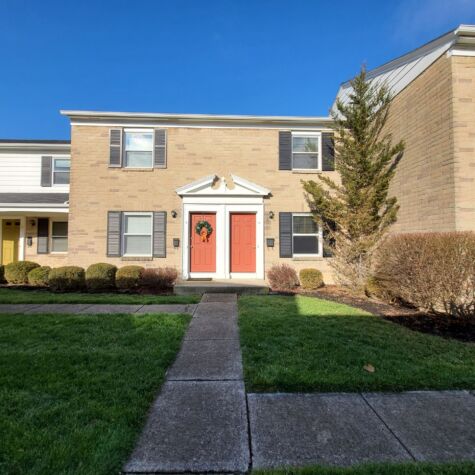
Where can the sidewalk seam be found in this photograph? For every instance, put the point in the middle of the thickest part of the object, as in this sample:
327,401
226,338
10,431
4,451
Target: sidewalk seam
403,445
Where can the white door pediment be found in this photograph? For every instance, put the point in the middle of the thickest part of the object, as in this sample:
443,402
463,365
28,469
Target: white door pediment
219,186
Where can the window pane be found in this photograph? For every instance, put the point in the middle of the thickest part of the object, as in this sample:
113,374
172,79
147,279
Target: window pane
60,228
304,225
304,144
137,245
138,224
62,164
61,178
138,159
59,244
305,245
305,160
139,141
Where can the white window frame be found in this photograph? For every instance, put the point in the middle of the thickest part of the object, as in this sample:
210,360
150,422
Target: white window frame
124,234
53,165
317,135
124,147
318,234
52,221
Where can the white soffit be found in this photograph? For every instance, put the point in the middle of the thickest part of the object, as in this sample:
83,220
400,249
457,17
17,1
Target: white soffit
400,72
213,185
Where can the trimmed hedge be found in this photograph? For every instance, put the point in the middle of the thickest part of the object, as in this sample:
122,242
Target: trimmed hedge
100,277
282,277
311,279
2,274
39,276
67,279
17,272
128,277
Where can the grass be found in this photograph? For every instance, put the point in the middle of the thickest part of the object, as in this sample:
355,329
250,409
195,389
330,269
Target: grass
75,390
11,296
306,344
467,468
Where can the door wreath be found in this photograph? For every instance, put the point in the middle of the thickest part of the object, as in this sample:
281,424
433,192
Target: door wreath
203,229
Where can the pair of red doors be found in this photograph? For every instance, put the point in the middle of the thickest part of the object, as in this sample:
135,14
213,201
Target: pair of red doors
242,243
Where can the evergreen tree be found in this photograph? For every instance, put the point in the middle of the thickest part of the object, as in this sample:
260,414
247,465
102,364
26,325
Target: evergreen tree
355,211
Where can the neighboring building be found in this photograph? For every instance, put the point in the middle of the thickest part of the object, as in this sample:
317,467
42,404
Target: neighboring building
34,200
433,111
142,183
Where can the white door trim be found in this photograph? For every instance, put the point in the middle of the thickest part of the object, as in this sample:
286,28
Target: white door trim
223,210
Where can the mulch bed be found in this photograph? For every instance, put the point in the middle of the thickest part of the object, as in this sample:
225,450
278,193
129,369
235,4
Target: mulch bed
440,325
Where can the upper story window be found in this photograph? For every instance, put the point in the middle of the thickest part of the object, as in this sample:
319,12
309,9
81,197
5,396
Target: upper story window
61,167
138,149
306,237
137,234
306,151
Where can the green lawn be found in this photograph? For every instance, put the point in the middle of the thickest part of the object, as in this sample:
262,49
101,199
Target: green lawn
75,390
381,469
44,296
306,344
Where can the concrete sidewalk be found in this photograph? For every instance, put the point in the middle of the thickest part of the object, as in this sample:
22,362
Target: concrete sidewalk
32,308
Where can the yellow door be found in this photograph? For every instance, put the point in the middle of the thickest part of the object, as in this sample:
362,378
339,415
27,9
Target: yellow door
10,239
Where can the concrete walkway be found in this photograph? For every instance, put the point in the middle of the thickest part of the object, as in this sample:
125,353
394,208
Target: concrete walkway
32,308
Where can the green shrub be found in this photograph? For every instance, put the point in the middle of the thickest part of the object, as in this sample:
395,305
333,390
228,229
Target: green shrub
67,279
39,276
17,272
311,279
282,277
2,274
100,277
431,271
128,277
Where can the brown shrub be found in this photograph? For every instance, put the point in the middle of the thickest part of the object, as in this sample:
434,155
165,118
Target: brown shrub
153,280
311,279
282,277
431,271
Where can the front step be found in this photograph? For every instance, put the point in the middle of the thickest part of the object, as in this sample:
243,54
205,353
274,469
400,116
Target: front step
200,288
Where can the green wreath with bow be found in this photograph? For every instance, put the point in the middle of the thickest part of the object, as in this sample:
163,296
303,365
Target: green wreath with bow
203,224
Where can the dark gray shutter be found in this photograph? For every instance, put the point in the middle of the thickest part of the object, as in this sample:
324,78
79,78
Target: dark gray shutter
285,150
328,152
43,236
114,228
160,234
160,149
46,170
115,147
285,234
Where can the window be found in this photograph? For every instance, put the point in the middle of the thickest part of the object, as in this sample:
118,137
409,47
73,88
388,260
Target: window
138,149
61,168
306,151
306,239
137,234
59,236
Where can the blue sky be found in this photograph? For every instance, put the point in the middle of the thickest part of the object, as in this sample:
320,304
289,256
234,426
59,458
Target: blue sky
197,56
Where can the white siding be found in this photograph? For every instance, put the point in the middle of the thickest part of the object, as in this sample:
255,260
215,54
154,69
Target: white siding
21,173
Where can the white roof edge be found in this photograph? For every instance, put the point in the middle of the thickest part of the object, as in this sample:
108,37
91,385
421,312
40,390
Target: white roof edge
34,146
193,117
207,180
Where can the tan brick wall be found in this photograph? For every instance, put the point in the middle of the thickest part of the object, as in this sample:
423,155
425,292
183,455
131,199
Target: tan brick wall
193,153
421,115
463,70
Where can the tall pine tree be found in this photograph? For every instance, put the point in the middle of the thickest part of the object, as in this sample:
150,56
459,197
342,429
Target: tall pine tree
356,212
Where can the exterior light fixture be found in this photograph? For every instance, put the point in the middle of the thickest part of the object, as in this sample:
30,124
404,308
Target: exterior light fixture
174,214
271,215
29,241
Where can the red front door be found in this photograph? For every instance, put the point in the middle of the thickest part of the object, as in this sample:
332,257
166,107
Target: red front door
203,251
243,242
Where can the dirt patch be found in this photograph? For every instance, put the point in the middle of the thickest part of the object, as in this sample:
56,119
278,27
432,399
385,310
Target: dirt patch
435,324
